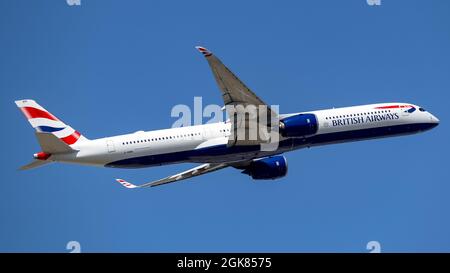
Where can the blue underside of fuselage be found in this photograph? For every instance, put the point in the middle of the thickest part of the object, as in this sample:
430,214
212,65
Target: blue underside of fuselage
222,151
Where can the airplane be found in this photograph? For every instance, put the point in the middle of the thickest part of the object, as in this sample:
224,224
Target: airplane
216,145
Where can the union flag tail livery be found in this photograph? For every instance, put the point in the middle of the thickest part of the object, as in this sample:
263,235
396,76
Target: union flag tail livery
44,122
214,146
53,135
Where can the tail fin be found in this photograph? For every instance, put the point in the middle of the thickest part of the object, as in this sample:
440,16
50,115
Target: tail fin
46,123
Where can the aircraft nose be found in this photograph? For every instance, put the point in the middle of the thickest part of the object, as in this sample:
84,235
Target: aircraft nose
434,119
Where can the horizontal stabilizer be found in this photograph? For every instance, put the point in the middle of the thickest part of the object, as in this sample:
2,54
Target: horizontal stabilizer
34,164
51,144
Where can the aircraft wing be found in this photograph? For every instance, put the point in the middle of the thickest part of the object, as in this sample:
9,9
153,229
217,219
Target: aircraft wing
199,170
234,93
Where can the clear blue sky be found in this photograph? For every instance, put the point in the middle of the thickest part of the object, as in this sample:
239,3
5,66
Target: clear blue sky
114,67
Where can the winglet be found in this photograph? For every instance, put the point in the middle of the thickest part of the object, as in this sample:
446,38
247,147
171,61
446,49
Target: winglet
126,184
204,51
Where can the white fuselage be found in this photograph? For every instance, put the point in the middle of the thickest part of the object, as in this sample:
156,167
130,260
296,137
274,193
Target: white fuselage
208,143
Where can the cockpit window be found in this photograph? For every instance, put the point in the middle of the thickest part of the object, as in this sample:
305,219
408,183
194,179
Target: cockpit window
411,110
422,110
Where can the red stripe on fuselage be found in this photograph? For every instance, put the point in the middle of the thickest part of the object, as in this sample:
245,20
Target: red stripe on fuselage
388,107
393,106
31,112
71,139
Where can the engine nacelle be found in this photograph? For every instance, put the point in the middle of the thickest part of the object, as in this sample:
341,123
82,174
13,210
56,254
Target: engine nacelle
267,168
299,125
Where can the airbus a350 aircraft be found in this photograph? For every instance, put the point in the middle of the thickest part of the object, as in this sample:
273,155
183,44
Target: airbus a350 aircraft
214,145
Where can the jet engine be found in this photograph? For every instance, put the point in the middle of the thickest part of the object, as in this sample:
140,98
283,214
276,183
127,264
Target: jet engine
300,125
272,167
